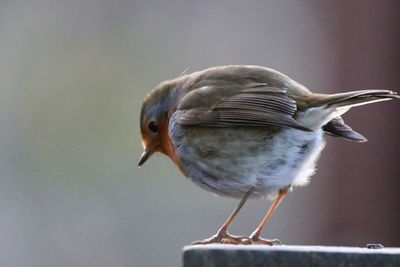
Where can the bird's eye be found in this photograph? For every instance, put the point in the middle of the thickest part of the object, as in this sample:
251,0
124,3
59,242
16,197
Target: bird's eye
153,126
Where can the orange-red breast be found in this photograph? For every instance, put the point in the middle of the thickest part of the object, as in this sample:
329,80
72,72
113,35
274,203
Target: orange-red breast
244,131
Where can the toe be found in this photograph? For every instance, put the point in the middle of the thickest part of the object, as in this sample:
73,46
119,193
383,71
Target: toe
211,240
263,241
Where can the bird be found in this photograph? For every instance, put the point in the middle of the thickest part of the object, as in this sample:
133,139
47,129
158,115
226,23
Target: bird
245,131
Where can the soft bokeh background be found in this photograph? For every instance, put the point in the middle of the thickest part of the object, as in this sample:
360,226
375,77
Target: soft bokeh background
72,78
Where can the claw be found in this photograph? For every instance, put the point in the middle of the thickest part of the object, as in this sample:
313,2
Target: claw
224,238
258,240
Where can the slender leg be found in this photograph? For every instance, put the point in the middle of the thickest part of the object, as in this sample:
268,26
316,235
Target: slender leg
255,236
222,235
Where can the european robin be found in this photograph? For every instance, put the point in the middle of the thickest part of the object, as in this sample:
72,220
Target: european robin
245,131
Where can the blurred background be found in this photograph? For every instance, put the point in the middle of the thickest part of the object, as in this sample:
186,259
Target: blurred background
73,75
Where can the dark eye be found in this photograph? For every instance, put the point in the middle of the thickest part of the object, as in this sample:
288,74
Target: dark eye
153,126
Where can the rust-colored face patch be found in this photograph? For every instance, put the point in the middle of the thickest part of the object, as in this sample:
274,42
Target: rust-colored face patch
167,147
159,142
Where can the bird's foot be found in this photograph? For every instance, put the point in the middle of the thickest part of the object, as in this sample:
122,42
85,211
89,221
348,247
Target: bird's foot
255,239
223,237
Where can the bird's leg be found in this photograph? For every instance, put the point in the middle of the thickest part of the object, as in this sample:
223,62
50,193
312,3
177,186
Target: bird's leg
255,236
222,235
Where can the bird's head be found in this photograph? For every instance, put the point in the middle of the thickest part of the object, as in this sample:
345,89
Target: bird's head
154,119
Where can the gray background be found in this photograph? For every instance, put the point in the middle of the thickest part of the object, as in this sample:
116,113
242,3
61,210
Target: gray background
72,78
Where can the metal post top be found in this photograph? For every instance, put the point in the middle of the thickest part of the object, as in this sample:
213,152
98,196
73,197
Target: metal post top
368,249
283,255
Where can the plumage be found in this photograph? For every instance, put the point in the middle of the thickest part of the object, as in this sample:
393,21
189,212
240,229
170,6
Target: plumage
246,102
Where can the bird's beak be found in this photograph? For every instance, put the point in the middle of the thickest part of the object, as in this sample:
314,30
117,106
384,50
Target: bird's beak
148,151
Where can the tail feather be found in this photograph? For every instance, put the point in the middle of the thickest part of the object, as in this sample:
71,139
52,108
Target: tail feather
355,98
337,127
344,102
324,110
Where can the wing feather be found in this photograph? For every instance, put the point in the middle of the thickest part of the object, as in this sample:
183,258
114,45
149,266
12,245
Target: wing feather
257,106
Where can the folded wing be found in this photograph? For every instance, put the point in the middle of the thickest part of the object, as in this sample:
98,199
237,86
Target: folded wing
255,105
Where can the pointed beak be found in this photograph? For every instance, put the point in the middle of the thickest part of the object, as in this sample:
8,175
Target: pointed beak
145,156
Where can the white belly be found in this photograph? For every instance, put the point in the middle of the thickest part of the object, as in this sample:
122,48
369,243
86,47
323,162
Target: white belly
230,161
